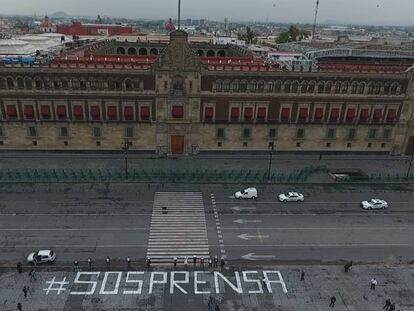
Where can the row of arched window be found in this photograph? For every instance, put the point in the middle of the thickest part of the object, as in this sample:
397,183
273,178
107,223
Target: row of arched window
77,84
134,51
306,87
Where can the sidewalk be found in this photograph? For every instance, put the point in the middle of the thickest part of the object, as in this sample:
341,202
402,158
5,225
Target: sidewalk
352,290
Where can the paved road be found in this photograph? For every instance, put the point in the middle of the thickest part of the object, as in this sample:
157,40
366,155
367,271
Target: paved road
81,221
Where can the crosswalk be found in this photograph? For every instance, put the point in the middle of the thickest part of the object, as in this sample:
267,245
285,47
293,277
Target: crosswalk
178,227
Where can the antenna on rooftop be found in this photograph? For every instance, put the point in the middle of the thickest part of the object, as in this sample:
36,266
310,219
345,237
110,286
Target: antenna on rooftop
179,14
314,21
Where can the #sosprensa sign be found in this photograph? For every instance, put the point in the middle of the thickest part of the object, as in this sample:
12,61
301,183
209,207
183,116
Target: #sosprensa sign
184,282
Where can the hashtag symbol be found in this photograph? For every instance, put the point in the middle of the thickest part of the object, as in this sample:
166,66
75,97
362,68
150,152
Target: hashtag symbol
60,286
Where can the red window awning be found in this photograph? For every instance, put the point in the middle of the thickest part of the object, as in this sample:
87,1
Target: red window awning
129,113
377,114
235,112
392,115
350,114
177,111
45,111
145,113
261,113
28,111
303,113
95,113
318,113
364,114
11,111
248,113
334,113
61,111
285,114
78,112
208,113
112,113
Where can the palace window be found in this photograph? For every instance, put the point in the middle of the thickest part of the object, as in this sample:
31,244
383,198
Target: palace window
112,113
61,111
28,111
95,113
234,113
145,113
78,112
128,113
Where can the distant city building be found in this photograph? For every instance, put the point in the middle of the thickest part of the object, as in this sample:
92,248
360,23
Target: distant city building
47,25
79,29
228,40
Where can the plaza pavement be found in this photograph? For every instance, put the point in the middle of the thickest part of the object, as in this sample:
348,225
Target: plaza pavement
352,290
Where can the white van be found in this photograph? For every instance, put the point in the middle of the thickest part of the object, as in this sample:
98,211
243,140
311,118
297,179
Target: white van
249,193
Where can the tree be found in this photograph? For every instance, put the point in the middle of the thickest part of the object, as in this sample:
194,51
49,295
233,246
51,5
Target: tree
249,36
292,35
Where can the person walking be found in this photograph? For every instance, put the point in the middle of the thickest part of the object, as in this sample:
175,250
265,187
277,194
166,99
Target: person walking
215,261
194,260
333,300
108,261
128,260
75,265
185,262
210,303
210,262
175,262
392,307
373,283
32,275
302,275
148,262
387,304
25,291
222,263
90,263
264,281
19,267
19,306
202,261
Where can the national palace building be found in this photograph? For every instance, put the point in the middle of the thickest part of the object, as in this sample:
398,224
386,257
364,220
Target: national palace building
186,98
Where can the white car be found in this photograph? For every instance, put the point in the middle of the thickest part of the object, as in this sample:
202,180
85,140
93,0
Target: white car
291,197
249,193
41,256
374,204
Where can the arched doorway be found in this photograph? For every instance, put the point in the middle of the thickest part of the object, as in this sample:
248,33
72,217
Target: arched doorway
210,53
221,53
200,53
143,51
153,51
132,51
120,50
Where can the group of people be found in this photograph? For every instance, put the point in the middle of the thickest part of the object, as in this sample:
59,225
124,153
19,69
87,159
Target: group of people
388,305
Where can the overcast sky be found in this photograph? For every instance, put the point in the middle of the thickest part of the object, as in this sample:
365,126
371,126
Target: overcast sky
376,12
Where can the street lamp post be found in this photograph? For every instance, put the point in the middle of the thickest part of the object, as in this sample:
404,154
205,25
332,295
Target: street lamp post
409,168
125,149
270,160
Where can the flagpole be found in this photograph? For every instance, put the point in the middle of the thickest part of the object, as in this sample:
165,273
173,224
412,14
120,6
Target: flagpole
179,14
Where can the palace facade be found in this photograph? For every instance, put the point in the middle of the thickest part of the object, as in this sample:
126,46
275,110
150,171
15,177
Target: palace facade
185,98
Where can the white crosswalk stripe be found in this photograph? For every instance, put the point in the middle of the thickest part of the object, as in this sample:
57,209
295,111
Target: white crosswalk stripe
178,227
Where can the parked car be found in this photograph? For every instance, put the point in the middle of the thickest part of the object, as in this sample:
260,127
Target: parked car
42,256
249,193
374,204
291,197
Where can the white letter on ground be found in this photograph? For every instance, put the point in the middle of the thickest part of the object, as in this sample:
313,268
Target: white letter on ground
110,292
280,281
175,282
152,281
127,280
196,282
237,289
257,281
76,281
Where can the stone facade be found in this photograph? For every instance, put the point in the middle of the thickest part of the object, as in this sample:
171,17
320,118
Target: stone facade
180,103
